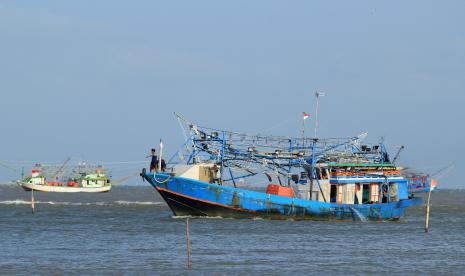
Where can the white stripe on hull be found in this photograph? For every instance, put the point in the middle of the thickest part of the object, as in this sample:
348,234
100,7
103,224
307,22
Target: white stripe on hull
64,189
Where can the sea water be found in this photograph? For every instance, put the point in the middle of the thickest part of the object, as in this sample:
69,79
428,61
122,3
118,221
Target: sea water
131,231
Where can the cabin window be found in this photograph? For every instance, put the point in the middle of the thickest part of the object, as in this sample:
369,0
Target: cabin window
366,193
349,193
340,194
357,190
333,193
374,192
303,176
384,195
322,174
394,193
325,174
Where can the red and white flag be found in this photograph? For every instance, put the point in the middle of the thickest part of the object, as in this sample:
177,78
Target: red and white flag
306,115
35,173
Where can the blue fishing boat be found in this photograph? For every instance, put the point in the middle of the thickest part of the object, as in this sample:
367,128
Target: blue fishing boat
421,183
305,178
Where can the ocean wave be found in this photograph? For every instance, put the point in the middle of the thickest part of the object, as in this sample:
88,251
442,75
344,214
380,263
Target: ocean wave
15,202
26,202
123,202
119,202
201,217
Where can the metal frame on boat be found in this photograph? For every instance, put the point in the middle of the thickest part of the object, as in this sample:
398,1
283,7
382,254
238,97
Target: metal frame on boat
308,178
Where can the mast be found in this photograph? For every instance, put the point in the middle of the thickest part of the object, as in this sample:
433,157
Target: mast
312,170
60,170
161,155
222,158
318,94
290,165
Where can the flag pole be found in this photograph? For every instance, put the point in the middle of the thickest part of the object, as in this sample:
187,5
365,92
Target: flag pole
317,95
303,130
305,116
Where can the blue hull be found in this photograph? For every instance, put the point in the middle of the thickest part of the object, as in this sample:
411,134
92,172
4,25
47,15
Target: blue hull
420,190
187,197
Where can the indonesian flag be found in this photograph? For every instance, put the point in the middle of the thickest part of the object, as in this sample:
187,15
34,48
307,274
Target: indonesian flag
306,115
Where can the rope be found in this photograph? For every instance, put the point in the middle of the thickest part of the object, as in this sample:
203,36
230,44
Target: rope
162,181
123,179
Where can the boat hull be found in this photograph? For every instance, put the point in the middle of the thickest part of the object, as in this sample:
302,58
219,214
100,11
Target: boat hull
187,197
63,189
422,187
421,190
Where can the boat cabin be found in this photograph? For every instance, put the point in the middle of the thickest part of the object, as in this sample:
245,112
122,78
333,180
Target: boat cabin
355,184
205,172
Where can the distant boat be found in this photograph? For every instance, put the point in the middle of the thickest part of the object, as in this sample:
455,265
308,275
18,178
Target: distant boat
421,183
84,179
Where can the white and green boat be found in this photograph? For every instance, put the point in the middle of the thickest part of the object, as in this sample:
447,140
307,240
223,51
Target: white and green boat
81,179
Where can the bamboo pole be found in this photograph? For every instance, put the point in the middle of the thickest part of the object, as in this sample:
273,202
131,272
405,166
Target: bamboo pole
189,263
33,207
428,210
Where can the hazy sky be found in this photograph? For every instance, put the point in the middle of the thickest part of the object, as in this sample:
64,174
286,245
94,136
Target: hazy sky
100,80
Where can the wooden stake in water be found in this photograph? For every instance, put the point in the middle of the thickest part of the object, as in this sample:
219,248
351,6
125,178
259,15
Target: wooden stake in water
189,263
33,207
428,209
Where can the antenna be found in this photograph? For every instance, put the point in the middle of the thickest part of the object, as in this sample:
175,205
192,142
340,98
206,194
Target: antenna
318,94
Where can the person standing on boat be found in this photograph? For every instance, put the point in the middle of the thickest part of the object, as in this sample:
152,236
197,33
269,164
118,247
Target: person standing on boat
154,160
214,172
163,165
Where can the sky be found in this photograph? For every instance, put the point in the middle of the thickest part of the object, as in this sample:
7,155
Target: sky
100,80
